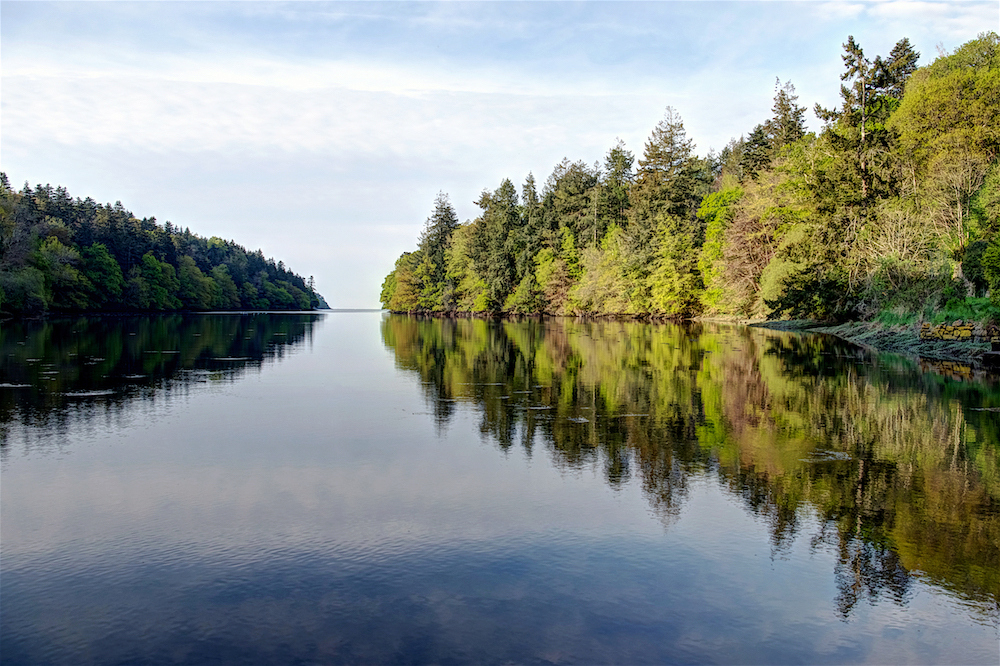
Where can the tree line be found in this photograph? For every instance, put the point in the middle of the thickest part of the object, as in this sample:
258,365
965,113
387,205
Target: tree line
893,207
63,254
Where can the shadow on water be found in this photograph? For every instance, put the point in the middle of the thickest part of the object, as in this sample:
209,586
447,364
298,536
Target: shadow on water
62,370
900,467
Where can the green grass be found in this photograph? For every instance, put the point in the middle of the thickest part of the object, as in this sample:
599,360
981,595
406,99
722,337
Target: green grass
896,317
968,309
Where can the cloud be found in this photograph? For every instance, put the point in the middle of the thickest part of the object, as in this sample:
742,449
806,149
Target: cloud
952,21
839,11
356,114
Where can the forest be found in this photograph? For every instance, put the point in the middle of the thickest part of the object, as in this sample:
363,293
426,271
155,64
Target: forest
60,254
891,212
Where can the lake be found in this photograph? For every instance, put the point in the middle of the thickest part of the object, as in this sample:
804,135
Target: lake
357,487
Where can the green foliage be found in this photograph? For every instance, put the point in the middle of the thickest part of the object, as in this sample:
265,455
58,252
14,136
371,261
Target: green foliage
716,213
497,242
966,309
902,283
469,291
388,289
896,317
93,257
279,295
991,270
66,287
894,207
527,298
952,103
984,206
675,285
104,274
405,290
811,292
552,277
24,290
618,176
226,296
197,292
602,286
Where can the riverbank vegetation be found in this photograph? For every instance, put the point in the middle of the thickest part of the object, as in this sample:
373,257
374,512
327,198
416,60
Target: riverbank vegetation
890,212
63,254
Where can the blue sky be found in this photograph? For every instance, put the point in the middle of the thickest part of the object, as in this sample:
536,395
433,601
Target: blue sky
321,132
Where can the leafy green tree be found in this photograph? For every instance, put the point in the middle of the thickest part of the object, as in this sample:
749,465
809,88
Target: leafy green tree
667,180
197,291
675,284
66,286
152,285
277,296
717,211
104,274
859,128
948,131
402,293
250,297
24,290
603,285
532,230
470,292
226,295
554,281
952,104
527,297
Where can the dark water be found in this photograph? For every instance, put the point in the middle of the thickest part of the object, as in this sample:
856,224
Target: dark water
363,488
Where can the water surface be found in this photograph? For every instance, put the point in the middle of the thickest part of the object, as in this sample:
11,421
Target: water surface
358,487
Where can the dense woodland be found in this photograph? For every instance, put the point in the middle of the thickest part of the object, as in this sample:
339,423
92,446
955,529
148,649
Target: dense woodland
892,211
63,254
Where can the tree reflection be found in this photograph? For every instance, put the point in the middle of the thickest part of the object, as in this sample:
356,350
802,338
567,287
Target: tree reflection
900,466
56,371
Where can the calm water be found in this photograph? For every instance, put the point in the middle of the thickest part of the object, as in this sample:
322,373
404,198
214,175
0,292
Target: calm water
364,488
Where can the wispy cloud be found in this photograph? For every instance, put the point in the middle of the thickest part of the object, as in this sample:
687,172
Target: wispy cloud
358,113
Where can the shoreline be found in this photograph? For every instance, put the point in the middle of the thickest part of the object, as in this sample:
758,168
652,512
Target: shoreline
903,339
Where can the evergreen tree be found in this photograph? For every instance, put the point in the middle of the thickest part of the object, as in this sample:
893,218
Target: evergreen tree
497,242
616,181
787,124
437,233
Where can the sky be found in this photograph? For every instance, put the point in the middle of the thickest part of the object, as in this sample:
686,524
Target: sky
321,132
